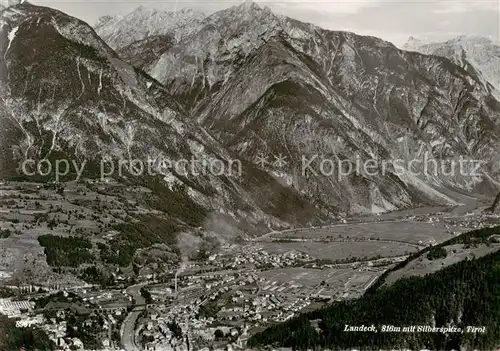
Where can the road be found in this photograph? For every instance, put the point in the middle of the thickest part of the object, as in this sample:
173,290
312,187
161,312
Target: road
127,331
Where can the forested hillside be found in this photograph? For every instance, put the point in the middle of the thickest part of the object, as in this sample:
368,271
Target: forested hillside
462,295
14,338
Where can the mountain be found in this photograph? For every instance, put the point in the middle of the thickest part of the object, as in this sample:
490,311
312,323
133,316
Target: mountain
478,55
268,84
452,300
243,83
142,52
121,31
7,3
66,94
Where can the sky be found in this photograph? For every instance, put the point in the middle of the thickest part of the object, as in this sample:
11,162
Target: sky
392,20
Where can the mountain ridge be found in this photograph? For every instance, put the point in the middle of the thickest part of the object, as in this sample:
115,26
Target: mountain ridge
96,105
121,31
479,54
313,92
207,70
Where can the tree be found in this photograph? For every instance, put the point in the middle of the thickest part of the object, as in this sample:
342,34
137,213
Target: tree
147,296
175,329
219,334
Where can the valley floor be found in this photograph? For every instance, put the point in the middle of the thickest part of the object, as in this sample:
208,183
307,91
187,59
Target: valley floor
242,288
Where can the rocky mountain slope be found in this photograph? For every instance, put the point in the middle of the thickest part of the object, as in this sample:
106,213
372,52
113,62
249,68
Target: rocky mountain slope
6,3
260,84
480,56
65,94
143,52
268,84
121,31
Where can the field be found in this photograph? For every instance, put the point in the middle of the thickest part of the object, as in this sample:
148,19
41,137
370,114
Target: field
362,241
361,250
94,211
414,232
